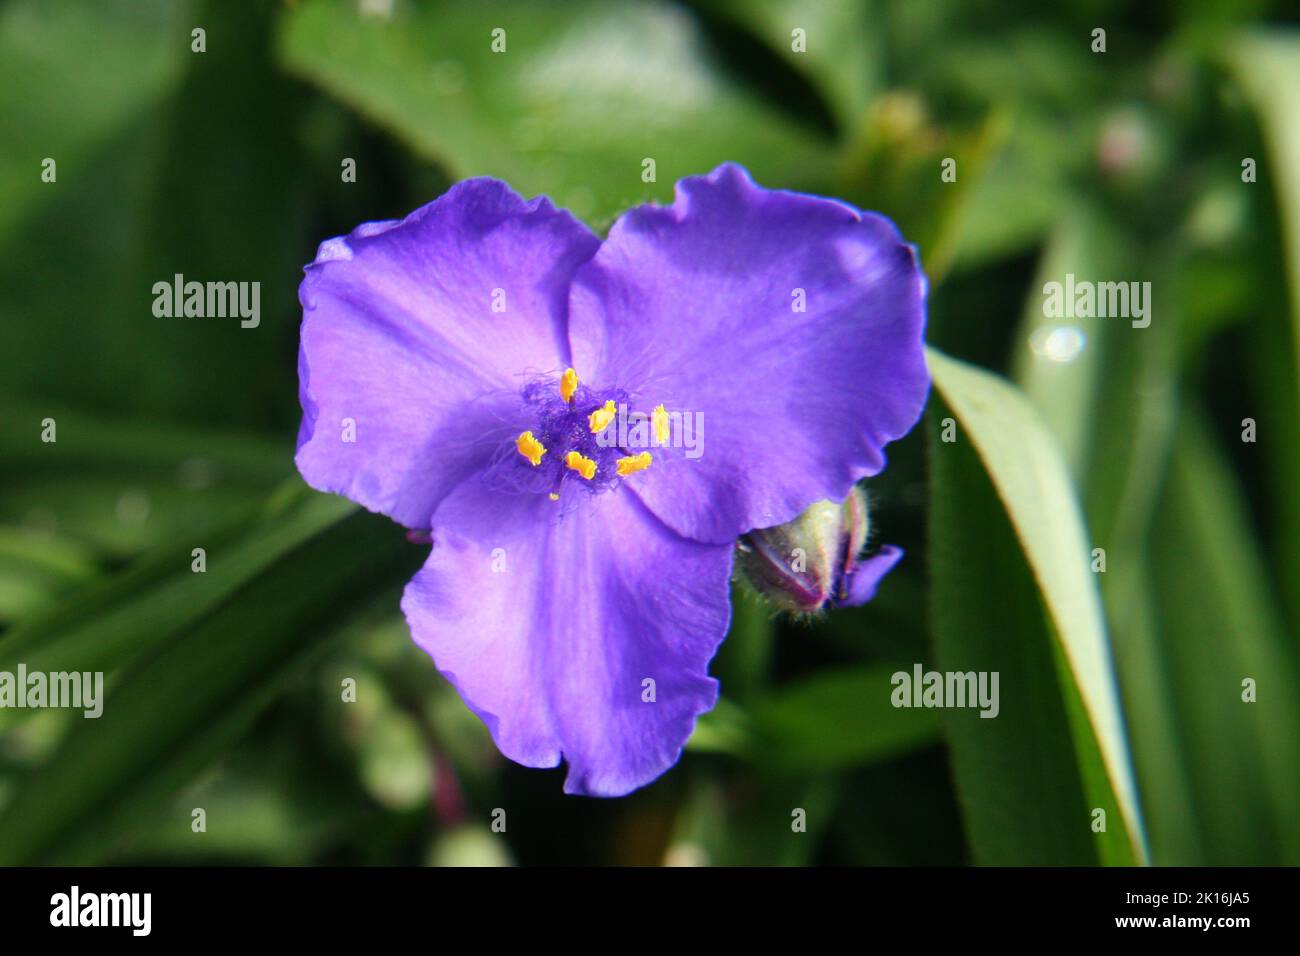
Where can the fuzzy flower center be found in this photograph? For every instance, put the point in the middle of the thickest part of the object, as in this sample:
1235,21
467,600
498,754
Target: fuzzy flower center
572,442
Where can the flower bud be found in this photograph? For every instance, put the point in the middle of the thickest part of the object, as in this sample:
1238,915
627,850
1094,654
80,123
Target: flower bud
812,562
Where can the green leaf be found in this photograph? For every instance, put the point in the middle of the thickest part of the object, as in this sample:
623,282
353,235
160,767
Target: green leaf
168,717
58,102
1044,88
1018,781
1115,401
143,449
744,660
841,52
1219,624
838,719
1268,67
896,163
118,487
35,568
1003,505
581,95
827,722
106,491
150,188
110,623
778,820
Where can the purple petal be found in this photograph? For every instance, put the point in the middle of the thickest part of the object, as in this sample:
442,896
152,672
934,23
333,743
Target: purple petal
692,306
860,582
400,338
548,617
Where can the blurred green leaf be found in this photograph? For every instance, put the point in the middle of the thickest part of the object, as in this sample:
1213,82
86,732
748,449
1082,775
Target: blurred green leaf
581,95
983,600
1046,90
250,819
195,175
1114,400
1060,363
107,490
168,717
838,719
121,516
112,622
898,163
1268,66
744,660
1017,198
776,820
35,568
887,628
724,729
144,449
839,51
46,69
1219,625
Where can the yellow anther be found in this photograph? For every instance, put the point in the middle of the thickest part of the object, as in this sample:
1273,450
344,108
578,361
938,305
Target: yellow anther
530,448
581,464
602,417
568,384
554,496
633,463
659,419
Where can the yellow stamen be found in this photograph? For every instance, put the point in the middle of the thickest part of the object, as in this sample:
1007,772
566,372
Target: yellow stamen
554,496
568,384
581,464
530,448
602,417
659,419
633,463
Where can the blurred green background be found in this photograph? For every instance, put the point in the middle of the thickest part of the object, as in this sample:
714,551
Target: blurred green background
224,687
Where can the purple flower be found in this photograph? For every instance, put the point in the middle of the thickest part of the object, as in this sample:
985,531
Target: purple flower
490,370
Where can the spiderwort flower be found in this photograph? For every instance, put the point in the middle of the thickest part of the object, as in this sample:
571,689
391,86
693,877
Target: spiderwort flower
460,372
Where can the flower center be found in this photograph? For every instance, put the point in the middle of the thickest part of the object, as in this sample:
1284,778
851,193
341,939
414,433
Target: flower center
572,442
